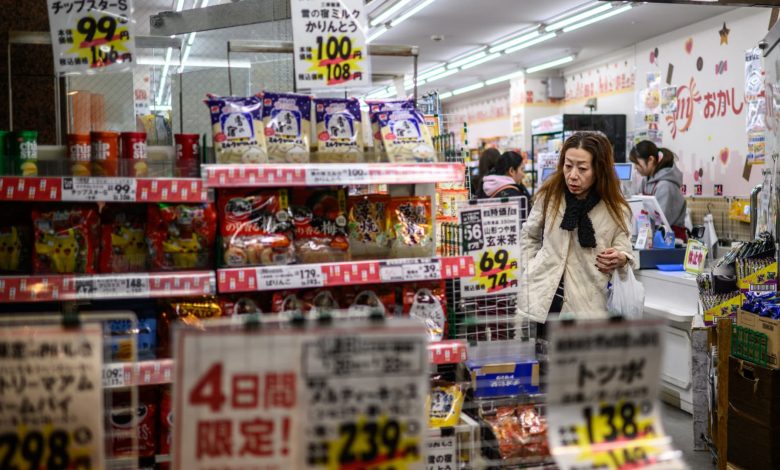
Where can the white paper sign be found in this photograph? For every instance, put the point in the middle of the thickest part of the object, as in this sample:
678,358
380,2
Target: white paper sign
603,410
695,257
92,35
491,235
441,453
330,44
335,174
290,277
99,189
51,397
112,287
349,396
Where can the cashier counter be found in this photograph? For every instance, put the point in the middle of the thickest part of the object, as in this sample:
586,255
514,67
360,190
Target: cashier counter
673,296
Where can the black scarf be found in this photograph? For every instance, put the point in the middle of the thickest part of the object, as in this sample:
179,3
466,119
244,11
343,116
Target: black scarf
576,216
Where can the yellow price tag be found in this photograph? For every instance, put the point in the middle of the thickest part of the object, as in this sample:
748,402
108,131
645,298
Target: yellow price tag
101,40
54,449
337,60
496,271
381,444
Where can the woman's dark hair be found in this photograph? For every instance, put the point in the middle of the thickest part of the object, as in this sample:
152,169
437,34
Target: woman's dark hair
645,150
487,161
507,161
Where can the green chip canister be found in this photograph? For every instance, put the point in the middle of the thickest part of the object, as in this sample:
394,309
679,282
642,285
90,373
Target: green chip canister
3,151
23,149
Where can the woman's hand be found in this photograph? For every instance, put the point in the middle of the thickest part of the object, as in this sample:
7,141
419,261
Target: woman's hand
610,259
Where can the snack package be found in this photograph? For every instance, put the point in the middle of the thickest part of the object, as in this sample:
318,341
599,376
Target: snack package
121,423
375,108
123,239
66,241
122,334
15,239
189,312
411,225
445,404
255,227
287,121
427,308
368,234
366,302
287,302
405,137
339,130
520,432
237,129
166,420
320,222
241,304
181,236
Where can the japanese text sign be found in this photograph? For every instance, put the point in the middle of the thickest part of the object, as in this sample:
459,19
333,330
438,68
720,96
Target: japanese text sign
348,396
92,35
442,453
329,40
491,235
695,255
50,397
602,401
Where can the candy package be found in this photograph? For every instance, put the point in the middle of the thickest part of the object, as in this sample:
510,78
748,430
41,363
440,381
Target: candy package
122,423
287,121
181,236
405,137
339,129
123,239
427,308
255,227
361,301
445,404
189,312
66,241
520,432
368,234
411,226
320,222
15,239
123,332
375,108
166,420
237,129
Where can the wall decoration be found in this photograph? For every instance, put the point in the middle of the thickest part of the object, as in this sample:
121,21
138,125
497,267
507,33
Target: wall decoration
697,189
699,64
616,77
724,156
689,46
669,100
721,67
755,96
719,190
717,104
724,34
669,74
684,189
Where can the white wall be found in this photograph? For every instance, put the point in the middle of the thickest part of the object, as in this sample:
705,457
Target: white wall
486,116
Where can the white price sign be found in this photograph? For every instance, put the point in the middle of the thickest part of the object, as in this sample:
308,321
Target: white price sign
441,453
99,189
410,270
330,44
51,397
603,411
113,287
114,376
335,174
695,256
91,35
290,277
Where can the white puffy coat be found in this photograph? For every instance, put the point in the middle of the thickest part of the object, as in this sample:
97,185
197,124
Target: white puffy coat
550,251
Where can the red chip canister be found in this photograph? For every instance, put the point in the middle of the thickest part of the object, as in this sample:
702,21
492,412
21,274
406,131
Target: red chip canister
105,153
187,155
134,155
79,154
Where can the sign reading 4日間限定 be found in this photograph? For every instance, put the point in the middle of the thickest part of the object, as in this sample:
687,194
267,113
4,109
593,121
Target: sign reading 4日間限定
330,44
91,35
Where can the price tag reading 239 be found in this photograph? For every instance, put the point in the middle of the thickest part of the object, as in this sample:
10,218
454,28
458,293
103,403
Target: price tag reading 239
330,44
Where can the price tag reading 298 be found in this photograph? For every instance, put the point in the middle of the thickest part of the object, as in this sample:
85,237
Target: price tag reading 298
54,450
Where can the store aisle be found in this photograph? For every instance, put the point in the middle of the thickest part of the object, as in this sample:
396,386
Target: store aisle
679,425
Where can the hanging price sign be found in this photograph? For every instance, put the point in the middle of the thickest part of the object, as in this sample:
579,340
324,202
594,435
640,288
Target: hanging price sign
343,397
330,44
603,411
491,235
50,398
695,254
91,35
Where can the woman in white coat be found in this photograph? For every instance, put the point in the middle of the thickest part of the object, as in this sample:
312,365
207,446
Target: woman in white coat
576,235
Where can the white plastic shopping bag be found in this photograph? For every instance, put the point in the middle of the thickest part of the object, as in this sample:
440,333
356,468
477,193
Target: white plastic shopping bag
626,296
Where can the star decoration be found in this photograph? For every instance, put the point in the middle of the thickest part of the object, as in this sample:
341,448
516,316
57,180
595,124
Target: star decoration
724,34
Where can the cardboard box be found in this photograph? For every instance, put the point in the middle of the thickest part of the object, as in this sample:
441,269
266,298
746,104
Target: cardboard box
771,328
754,415
504,378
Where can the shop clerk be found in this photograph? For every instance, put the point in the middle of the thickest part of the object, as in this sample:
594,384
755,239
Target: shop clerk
576,235
663,180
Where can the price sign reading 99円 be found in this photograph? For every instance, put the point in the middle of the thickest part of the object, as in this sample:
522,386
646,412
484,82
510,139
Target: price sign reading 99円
92,35
330,44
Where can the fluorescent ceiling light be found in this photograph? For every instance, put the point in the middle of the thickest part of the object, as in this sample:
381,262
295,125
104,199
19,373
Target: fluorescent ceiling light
179,5
481,61
446,95
441,75
551,64
504,78
578,17
524,45
164,74
598,18
191,38
376,34
410,13
430,73
512,42
409,84
466,60
469,88
382,17
160,108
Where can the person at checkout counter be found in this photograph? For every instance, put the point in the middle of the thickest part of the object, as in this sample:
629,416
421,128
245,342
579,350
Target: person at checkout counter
663,180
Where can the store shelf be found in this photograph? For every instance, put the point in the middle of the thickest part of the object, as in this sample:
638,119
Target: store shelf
69,189
448,352
225,176
133,374
342,274
44,288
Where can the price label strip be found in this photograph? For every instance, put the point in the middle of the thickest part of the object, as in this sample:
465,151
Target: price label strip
99,189
112,287
290,277
330,44
335,174
410,270
603,412
92,35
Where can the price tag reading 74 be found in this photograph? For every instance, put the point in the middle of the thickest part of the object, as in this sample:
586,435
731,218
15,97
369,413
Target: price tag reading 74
496,268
